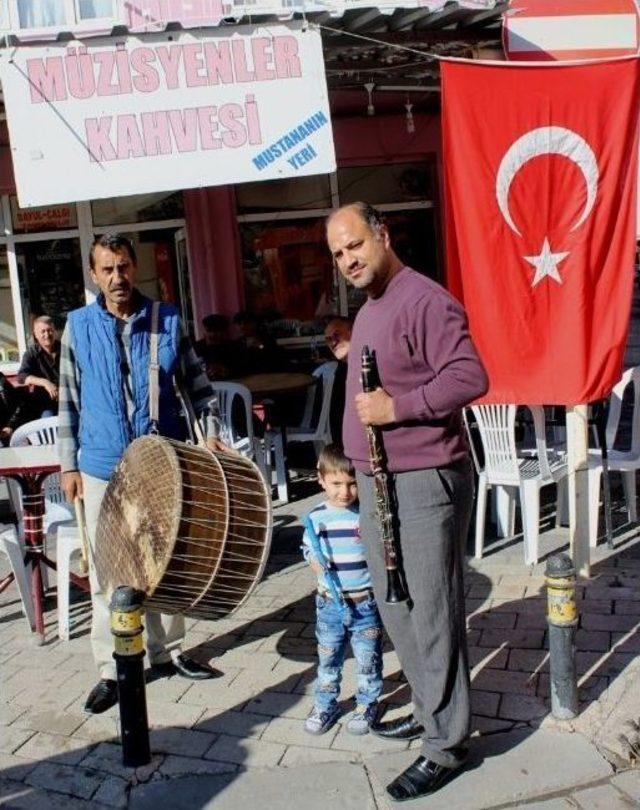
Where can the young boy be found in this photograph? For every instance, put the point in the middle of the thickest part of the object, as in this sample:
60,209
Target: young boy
336,556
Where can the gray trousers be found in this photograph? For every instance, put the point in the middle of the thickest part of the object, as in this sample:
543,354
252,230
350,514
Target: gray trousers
164,633
433,508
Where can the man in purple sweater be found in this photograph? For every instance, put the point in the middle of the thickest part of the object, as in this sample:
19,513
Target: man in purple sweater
429,370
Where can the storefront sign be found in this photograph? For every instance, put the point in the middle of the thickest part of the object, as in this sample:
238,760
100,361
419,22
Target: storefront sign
47,218
112,117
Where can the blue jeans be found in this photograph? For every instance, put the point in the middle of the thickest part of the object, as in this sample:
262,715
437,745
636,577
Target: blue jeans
360,625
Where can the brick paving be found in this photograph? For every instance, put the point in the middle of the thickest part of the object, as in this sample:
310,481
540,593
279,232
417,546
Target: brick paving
52,754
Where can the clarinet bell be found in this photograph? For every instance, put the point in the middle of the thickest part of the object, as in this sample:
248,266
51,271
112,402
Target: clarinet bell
395,589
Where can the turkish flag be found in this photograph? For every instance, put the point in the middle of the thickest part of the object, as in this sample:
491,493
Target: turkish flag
540,195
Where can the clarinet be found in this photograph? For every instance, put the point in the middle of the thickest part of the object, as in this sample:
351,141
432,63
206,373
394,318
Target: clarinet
396,591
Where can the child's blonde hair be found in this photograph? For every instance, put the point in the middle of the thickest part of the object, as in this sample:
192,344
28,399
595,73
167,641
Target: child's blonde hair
333,459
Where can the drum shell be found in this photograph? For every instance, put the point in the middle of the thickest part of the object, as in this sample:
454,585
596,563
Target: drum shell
190,528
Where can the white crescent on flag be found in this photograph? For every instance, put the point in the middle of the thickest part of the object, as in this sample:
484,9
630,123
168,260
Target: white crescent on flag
547,141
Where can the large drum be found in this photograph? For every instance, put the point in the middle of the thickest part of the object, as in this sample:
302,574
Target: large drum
190,528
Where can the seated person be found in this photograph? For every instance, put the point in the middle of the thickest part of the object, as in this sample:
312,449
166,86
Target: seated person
14,410
40,367
215,349
337,334
255,351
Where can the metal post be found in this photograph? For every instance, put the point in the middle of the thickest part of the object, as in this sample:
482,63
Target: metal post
126,627
562,616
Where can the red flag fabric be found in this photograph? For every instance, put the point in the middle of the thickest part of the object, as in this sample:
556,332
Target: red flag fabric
540,196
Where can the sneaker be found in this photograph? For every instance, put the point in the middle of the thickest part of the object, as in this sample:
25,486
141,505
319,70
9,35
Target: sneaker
362,718
320,721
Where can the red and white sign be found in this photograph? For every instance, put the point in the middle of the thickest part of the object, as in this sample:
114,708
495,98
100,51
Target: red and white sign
537,30
540,220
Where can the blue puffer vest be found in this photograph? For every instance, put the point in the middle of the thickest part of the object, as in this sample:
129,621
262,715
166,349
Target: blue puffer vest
105,432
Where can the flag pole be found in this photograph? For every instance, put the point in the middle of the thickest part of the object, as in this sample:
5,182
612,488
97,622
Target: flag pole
577,453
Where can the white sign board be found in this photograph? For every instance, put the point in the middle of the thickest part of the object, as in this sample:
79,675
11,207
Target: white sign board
110,117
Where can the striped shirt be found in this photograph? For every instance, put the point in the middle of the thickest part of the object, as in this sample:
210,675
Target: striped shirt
338,531
196,384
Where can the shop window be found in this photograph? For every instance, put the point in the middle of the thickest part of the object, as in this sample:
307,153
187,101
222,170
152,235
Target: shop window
51,280
386,183
413,235
138,208
41,13
43,218
288,275
9,352
300,193
92,9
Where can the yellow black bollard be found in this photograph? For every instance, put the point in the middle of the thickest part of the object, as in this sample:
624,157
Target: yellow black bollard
126,627
562,617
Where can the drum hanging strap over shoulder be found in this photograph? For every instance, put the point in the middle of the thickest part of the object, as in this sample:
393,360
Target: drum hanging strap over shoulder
154,370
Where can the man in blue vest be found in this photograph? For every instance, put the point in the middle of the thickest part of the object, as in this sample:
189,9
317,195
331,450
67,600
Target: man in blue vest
104,406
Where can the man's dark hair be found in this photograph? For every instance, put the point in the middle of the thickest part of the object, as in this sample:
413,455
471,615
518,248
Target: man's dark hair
333,459
215,323
113,242
367,213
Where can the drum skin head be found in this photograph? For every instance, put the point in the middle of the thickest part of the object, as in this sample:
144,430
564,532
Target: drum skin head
190,528
139,517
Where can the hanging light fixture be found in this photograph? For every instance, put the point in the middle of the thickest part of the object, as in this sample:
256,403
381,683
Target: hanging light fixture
371,110
411,126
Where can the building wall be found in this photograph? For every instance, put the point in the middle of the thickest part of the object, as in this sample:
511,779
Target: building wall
212,232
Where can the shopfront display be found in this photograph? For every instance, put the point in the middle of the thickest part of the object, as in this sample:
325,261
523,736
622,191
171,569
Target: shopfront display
288,276
51,279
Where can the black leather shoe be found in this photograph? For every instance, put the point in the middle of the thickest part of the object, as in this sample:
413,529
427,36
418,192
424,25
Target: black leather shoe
190,668
421,778
103,696
405,728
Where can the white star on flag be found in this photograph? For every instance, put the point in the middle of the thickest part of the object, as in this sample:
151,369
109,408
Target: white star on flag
546,264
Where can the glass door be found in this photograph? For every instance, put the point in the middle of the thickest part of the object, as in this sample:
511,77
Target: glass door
51,281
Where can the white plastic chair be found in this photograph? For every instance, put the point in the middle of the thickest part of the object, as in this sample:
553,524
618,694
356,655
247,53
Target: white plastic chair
626,462
235,405
504,467
320,432
59,517
69,543
39,431
57,510
14,549
235,408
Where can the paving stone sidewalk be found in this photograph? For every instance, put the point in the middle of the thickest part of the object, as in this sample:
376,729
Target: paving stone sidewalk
240,737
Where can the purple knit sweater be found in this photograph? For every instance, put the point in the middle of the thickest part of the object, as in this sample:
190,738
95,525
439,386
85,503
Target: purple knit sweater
429,366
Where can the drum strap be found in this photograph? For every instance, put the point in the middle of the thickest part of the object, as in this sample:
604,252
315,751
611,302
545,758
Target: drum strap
154,385
154,370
